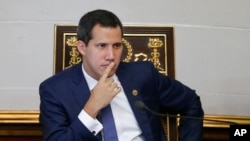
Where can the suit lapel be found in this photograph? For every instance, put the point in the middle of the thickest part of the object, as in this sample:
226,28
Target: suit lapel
132,91
80,87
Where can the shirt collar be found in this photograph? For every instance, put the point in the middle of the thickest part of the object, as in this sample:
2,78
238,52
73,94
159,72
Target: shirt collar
90,81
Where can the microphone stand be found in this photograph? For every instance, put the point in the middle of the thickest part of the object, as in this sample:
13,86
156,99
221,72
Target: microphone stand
142,106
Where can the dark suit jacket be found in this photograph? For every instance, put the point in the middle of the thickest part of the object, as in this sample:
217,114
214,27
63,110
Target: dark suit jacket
64,95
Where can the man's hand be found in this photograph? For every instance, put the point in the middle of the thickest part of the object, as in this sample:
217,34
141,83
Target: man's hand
102,94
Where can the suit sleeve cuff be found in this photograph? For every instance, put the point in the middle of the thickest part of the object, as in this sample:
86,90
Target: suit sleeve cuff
93,125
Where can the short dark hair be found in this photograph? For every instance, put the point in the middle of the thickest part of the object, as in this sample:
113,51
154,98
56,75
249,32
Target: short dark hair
89,20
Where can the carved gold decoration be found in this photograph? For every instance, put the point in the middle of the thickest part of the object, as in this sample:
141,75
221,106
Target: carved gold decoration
72,41
75,58
141,55
155,43
129,49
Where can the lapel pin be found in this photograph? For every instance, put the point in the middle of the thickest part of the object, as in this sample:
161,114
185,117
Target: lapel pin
135,92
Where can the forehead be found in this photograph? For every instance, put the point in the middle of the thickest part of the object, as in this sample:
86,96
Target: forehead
99,30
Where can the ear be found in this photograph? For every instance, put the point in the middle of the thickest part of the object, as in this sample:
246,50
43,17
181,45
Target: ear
81,47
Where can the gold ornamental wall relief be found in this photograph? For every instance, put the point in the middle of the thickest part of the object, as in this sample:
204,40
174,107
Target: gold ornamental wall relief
154,44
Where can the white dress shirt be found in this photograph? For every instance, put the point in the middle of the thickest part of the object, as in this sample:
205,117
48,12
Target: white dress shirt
126,125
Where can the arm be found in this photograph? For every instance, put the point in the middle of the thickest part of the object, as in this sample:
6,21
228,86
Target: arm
177,98
55,120
61,116
191,130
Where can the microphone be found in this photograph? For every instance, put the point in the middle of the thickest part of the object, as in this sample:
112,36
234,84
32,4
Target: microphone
141,106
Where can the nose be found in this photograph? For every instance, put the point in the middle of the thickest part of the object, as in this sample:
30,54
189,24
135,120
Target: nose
110,54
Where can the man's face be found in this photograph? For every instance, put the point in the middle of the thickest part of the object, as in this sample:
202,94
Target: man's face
104,47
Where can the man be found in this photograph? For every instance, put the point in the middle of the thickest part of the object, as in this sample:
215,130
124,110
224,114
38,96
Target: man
72,101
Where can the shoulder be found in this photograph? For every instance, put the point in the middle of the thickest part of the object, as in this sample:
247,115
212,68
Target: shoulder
137,68
137,65
65,75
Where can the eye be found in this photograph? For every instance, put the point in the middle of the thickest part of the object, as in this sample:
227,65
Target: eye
101,45
117,45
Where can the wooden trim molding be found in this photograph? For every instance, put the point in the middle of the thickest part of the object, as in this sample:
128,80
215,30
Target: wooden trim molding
19,117
19,123
225,118
29,120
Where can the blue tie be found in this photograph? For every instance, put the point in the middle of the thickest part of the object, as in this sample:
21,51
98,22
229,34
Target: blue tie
108,122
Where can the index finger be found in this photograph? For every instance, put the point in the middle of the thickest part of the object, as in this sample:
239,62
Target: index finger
107,71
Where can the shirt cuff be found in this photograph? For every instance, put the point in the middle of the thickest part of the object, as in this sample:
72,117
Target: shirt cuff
93,125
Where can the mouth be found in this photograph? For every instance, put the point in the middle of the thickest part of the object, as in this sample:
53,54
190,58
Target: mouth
106,65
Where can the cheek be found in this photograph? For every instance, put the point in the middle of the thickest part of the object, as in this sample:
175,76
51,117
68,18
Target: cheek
119,54
92,55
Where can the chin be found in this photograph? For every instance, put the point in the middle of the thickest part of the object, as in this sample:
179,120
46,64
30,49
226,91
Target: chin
111,73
